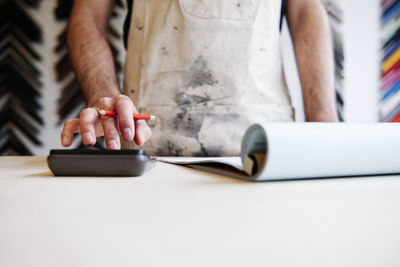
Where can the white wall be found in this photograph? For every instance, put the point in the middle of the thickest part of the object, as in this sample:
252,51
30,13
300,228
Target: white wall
362,60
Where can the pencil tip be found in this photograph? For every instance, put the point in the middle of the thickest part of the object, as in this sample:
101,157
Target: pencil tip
102,112
152,117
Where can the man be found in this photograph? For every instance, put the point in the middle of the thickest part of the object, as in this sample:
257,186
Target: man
207,69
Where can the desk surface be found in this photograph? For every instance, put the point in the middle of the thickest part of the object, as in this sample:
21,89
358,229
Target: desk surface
175,216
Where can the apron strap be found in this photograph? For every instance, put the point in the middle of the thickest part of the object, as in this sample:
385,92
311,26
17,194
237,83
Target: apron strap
283,13
127,22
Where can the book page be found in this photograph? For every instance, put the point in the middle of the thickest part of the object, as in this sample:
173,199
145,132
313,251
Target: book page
234,162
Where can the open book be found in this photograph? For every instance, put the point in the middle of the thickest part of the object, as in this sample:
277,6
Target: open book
281,151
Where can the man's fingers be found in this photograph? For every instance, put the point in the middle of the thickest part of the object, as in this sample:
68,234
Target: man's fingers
67,134
124,108
88,119
111,134
89,125
143,132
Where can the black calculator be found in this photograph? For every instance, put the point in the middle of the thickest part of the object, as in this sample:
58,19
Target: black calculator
92,161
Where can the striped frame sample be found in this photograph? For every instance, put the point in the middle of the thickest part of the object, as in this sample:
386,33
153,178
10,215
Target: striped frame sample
20,82
390,84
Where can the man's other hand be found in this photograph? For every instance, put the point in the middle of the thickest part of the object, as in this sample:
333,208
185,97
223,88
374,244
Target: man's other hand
91,125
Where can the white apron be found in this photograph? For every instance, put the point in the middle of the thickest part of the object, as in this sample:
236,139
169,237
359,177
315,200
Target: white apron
207,69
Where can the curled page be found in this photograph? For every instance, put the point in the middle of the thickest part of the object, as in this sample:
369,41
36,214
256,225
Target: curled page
280,151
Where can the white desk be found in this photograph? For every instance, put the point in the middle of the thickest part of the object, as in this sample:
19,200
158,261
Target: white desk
174,216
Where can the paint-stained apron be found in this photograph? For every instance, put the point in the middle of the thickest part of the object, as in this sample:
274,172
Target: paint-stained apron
207,69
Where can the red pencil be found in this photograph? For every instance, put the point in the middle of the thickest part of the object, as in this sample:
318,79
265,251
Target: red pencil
135,116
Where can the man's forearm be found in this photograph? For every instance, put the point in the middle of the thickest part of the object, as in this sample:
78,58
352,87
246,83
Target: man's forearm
314,56
94,66
92,58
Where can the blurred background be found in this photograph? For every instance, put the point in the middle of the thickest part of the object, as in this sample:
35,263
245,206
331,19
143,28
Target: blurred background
39,90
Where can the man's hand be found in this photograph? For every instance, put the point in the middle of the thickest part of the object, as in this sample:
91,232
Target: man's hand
91,125
94,67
